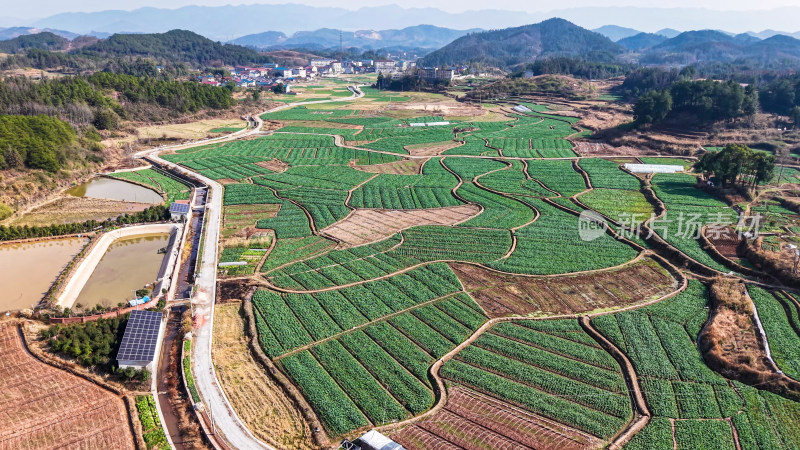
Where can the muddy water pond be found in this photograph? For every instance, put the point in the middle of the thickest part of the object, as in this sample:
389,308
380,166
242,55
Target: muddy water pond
28,269
128,264
113,189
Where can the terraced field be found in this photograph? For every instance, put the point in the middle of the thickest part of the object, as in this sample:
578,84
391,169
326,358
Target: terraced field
390,248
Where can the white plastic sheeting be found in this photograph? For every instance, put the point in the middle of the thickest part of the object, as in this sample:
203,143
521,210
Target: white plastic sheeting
653,168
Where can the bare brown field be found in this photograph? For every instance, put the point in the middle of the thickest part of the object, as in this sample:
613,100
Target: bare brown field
363,226
42,407
275,165
255,397
595,148
76,209
474,421
240,220
431,149
502,295
726,241
404,167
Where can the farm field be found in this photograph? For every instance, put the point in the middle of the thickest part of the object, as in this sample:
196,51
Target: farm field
568,380
152,430
680,389
476,421
256,397
379,256
364,226
45,407
502,295
163,183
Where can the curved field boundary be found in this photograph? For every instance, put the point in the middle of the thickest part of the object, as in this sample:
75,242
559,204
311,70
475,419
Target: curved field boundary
318,433
536,212
722,259
528,176
350,192
296,203
441,392
641,413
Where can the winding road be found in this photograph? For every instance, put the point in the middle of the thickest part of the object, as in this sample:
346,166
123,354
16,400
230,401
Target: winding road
224,418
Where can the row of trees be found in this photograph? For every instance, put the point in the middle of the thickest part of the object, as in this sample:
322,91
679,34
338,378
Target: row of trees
705,100
156,213
782,96
737,164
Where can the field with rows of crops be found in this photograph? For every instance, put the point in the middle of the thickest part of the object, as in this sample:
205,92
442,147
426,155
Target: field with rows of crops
403,259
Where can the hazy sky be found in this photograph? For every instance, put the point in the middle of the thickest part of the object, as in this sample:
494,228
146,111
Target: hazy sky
43,8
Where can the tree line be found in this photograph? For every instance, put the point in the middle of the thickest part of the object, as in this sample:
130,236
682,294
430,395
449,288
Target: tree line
156,213
705,100
782,96
576,67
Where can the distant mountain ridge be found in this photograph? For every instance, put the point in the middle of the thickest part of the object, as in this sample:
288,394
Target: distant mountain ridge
174,46
615,32
224,23
642,41
714,46
420,36
518,45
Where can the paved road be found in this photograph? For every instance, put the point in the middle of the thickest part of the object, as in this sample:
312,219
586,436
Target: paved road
225,419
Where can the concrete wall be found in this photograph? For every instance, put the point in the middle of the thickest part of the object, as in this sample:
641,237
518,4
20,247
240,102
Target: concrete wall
73,287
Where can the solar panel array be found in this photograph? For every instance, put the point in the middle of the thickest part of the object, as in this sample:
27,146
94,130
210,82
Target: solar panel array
141,336
179,208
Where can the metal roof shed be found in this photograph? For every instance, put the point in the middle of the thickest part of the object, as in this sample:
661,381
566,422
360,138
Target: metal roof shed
141,340
179,210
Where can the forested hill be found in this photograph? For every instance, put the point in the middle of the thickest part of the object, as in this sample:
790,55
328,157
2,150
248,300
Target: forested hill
44,40
512,46
174,46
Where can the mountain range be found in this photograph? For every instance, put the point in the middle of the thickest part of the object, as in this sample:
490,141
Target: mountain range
420,36
511,47
508,48
229,22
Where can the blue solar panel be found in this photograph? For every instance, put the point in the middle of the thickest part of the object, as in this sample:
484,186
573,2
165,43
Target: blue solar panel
141,336
179,208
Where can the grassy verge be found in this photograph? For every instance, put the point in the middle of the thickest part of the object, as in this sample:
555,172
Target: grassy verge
187,371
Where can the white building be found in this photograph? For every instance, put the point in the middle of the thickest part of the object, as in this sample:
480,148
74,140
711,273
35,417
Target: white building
321,62
385,66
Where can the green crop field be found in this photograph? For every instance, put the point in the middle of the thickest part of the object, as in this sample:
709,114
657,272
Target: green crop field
450,216
162,182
